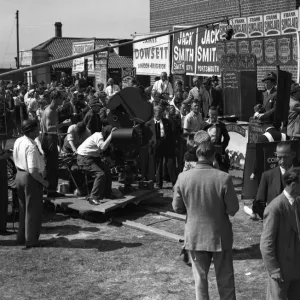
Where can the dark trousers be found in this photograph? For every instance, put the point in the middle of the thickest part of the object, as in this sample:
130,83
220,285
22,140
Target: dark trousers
101,173
169,162
289,289
182,151
201,261
30,193
49,146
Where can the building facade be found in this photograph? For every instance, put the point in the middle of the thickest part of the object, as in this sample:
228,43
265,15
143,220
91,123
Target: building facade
164,16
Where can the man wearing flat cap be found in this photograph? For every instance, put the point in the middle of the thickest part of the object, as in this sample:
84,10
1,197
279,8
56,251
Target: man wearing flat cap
92,118
269,99
293,128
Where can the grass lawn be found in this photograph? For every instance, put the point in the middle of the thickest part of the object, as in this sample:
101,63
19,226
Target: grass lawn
84,260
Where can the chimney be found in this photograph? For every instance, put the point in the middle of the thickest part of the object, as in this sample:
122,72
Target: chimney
58,31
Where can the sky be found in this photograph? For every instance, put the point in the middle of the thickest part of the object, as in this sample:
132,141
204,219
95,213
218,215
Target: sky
80,18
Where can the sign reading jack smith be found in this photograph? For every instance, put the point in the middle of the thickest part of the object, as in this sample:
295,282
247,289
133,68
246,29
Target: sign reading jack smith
152,56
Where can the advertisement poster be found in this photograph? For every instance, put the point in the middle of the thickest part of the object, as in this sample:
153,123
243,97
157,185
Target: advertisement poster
257,49
272,25
152,56
207,61
221,50
100,66
184,45
243,47
284,50
294,50
127,75
289,22
223,28
78,64
240,27
270,51
255,26
231,47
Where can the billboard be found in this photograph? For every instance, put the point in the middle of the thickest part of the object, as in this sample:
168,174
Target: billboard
78,64
152,56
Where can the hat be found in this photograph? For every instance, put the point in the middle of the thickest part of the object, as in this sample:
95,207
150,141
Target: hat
295,88
201,136
196,78
270,76
80,127
94,101
215,78
29,126
207,81
9,86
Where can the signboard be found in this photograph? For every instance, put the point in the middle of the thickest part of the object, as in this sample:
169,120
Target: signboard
127,75
272,25
255,26
236,128
285,50
231,47
25,58
78,64
223,28
243,47
257,49
240,27
101,66
270,50
152,56
289,22
184,45
207,61
179,67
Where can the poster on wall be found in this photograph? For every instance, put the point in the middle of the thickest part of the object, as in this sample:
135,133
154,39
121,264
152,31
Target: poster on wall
255,26
294,50
240,27
127,75
257,48
272,25
184,45
243,47
221,50
101,66
289,22
207,61
223,28
152,56
231,47
270,51
284,50
78,64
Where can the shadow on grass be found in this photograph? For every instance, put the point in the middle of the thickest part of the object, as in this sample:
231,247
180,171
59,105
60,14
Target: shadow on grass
251,252
67,229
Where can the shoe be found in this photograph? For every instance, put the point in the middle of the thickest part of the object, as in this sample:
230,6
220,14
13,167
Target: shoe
55,195
94,201
185,257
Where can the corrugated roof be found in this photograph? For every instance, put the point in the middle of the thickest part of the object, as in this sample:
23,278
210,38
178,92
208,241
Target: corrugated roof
62,47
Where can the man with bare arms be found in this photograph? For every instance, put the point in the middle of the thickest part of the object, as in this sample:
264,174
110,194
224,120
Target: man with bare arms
49,142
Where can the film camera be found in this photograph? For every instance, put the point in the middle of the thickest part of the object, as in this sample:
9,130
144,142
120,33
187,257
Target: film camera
128,112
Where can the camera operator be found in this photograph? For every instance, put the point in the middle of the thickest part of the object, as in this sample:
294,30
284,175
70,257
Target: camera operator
89,159
163,88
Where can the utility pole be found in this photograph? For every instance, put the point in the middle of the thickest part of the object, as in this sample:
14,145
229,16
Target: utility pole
17,25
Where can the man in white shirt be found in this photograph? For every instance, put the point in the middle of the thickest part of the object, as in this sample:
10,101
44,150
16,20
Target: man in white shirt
280,240
193,122
89,158
111,88
29,180
162,88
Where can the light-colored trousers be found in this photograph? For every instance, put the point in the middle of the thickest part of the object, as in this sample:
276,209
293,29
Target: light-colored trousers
201,261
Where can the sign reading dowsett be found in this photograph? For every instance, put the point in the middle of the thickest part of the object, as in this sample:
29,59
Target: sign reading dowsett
272,24
289,22
255,26
207,61
184,49
78,64
151,57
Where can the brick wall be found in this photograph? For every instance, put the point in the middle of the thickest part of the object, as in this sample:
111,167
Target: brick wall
165,14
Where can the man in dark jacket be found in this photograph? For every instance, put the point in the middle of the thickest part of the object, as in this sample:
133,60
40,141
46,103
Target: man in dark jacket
92,119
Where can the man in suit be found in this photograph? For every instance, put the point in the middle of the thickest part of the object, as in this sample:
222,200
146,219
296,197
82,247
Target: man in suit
271,183
219,136
208,198
280,241
269,99
161,147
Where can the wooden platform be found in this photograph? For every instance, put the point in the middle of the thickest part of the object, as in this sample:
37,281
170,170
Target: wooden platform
82,206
